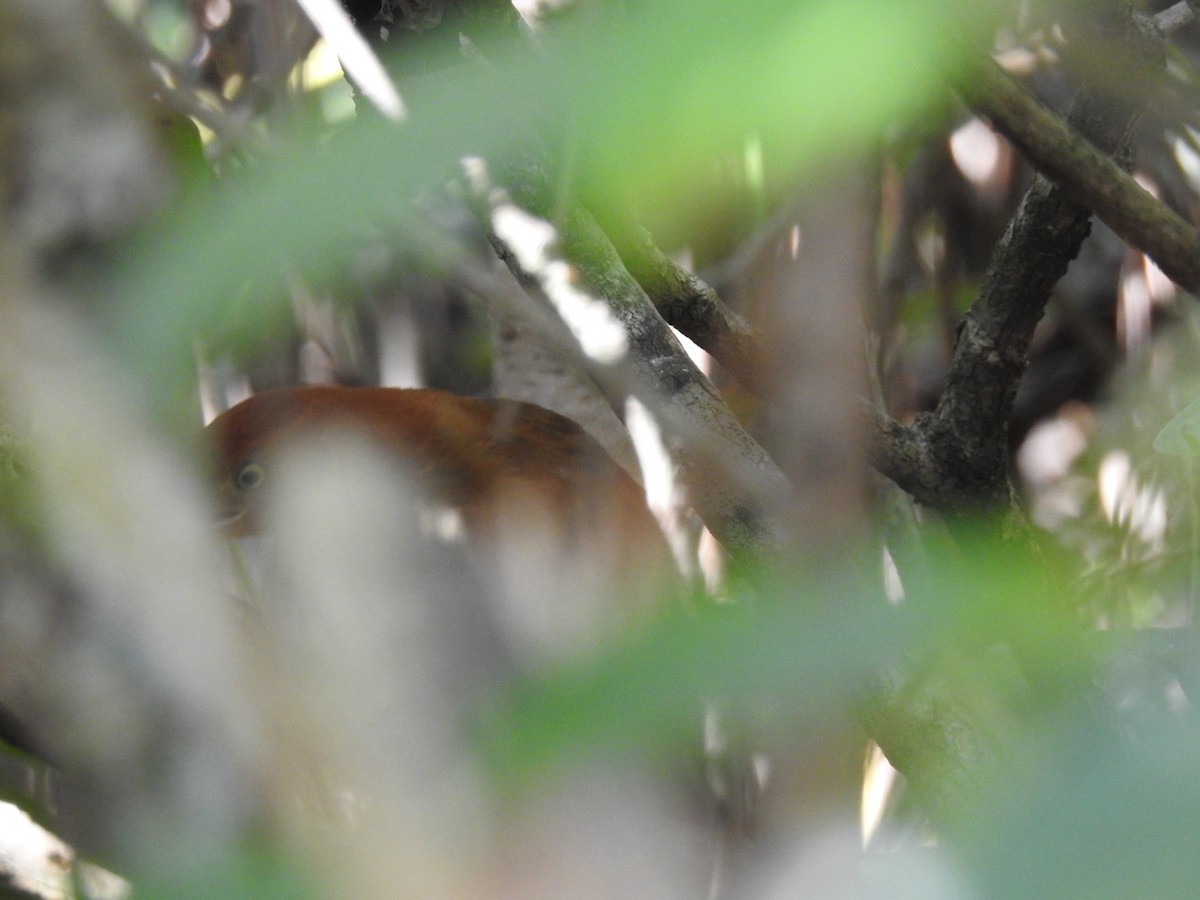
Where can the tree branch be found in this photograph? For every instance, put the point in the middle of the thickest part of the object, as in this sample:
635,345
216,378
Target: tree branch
956,457
1085,174
684,299
732,482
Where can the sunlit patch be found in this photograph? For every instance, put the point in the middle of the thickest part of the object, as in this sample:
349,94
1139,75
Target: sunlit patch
1157,288
532,241
1187,156
1161,287
399,348
1133,310
931,246
705,555
975,149
658,473
321,74
590,321
444,523
531,238
760,765
659,482
1175,696
1046,459
893,587
355,55
1113,476
533,11
1018,60
715,740
717,746
232,86
475,170
711,558
1126,502
878,781
753,165
321,66
220,387
1141,287
217,13
1051,448
697,354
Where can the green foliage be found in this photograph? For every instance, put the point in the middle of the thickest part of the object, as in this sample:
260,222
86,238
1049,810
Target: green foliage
816,81
1042,788
1181,436
985,674
18,508
249,872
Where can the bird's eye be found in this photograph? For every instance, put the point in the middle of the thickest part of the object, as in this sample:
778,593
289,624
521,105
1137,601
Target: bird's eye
249,476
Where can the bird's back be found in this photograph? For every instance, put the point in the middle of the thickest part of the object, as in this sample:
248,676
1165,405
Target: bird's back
563,528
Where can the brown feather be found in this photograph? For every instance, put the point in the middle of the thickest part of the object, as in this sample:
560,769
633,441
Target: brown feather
517,473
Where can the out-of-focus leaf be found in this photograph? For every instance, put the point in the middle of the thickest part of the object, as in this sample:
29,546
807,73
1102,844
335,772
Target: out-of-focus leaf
181,139
656,686
807,645
815,79
18,509
247,871
1101,818
304,210
1181,435
654,96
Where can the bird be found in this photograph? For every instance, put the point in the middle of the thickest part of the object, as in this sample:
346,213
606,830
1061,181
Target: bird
558,527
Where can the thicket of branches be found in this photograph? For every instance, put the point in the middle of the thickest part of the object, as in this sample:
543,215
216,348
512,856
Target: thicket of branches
939,259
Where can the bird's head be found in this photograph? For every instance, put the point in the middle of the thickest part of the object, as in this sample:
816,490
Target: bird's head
246,441
447,442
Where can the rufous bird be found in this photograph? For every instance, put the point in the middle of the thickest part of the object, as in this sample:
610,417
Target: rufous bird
562,528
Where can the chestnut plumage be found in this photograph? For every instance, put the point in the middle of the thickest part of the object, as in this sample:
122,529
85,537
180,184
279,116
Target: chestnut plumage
532,487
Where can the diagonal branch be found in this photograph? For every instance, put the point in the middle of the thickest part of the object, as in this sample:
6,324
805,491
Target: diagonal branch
684,299
1085,174
956,457
733,483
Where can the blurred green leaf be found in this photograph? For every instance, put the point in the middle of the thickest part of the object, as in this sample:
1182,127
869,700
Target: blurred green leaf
815,79
1100,818
18,506
808,644
247,872
655,96
1181,435
304,209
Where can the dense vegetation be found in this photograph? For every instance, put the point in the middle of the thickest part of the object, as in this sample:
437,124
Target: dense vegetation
932,478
